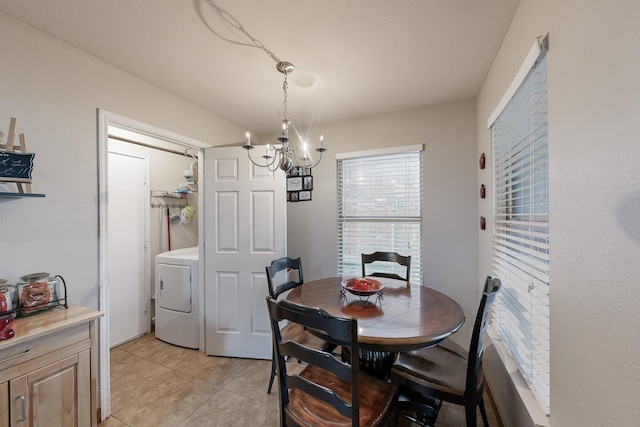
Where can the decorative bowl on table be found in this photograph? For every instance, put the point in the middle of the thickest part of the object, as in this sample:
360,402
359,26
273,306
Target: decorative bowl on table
362,286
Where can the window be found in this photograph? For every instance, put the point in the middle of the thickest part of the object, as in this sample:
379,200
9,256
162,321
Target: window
520,241
380,207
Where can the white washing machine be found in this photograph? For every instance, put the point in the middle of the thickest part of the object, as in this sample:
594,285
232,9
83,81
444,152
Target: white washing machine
177,297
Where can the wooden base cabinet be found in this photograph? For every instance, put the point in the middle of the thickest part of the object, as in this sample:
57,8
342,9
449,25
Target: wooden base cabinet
50,379
4,405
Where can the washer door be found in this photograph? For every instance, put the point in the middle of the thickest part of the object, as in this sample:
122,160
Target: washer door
174,287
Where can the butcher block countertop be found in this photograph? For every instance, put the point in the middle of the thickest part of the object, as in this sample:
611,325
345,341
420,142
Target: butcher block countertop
44,323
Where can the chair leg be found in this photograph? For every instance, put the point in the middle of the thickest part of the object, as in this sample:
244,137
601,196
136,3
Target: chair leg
273,373
470,413
483,412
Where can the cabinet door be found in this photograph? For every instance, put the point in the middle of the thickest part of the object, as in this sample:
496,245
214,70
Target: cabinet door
4,405
57,395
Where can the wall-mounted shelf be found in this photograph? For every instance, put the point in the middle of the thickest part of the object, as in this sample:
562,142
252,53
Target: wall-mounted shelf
4,194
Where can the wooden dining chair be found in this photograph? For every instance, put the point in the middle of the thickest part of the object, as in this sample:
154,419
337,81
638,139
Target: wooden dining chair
279,274
388,258
446,372
329,391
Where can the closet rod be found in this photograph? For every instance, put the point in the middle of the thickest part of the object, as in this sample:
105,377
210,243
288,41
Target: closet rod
168,150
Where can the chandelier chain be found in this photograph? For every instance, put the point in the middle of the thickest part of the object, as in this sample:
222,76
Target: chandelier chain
285,86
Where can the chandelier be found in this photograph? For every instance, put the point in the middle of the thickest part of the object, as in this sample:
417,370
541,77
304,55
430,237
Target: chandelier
285,157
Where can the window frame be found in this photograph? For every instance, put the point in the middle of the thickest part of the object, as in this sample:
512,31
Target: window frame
348,255
520,232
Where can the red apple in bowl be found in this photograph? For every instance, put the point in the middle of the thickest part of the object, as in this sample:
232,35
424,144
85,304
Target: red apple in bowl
361,284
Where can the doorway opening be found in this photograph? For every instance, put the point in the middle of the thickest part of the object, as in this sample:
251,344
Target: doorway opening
113,132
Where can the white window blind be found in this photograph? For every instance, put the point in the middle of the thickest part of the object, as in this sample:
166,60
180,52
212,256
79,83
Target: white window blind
520,242
380,209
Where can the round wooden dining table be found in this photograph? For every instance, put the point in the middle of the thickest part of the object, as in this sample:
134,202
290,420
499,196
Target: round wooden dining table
400,317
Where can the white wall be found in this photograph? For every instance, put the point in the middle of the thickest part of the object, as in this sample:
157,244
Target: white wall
55,91
450,196
594,158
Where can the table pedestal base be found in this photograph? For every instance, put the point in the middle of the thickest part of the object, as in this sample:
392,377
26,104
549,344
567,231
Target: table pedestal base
376,363
420,410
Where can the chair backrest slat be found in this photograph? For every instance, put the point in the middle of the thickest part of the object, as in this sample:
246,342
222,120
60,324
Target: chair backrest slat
322,393
318,358
392,257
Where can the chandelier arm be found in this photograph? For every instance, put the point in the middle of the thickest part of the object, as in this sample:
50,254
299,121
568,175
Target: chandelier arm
276,160
266,165
319,150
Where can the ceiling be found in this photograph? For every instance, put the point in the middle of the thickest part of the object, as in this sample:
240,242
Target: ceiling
353,58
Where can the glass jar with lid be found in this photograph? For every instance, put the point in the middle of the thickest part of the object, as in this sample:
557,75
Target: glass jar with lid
37,291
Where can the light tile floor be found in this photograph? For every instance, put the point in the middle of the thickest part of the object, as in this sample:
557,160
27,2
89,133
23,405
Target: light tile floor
157,384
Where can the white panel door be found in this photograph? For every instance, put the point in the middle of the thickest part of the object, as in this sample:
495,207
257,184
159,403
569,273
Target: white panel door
245,229
126,216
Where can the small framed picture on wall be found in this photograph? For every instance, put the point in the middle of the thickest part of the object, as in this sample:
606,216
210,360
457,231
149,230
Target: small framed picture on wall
307,182
293,196
294,183
304,195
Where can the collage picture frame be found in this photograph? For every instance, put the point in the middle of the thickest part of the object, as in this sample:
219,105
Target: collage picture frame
299,184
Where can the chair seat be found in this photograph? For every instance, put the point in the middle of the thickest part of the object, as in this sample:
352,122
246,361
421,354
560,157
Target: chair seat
442,368
376,398
446,372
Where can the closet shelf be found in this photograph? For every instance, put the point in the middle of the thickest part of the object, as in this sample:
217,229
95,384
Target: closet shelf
168,194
